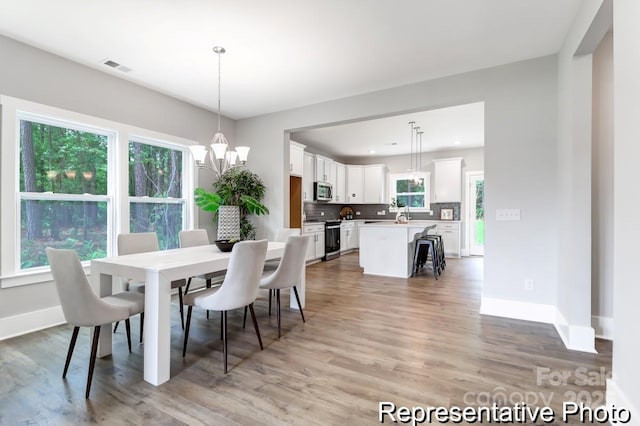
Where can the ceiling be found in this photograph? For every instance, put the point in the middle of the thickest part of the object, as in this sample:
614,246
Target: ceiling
458,127
282,54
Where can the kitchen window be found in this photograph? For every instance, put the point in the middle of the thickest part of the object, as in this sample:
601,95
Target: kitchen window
411,190
69,181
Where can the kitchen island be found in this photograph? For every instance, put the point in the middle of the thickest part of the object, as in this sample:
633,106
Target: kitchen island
386,248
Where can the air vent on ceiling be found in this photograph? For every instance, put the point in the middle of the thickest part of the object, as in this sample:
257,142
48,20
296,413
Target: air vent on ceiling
115,65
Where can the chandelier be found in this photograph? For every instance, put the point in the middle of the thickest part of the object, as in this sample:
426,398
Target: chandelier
220,157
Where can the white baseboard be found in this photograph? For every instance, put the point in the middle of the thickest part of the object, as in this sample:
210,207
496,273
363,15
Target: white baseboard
616,398
30,322
577,338
518,310
603,327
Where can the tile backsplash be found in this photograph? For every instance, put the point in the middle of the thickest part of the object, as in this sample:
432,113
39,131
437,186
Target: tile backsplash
314,211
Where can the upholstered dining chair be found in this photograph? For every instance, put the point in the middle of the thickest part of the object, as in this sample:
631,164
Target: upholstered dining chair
271,265
83,308
143,242
288,273
239,289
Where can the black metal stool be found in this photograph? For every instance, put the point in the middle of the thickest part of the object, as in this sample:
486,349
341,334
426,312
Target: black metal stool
424,245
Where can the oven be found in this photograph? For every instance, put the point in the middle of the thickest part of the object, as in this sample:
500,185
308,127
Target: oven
331,239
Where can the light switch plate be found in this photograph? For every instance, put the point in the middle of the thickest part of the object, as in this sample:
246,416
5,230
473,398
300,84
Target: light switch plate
508,214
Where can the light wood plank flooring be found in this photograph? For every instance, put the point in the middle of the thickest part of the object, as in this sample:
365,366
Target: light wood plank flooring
416,342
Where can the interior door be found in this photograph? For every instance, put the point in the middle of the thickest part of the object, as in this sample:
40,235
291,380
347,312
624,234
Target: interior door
476,214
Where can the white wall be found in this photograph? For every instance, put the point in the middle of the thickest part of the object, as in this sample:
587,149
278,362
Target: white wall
602,189
520,162
38,76
574,172
625,386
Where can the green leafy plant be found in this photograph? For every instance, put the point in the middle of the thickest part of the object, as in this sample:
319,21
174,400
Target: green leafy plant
395,204
236,187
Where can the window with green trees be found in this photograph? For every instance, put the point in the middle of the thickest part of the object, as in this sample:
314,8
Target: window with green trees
155,191
411,190
63,190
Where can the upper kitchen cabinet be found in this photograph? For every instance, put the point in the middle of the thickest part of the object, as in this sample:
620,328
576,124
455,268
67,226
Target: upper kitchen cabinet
447,186
296,159
340,185
355,184
375,181
308,176
325,169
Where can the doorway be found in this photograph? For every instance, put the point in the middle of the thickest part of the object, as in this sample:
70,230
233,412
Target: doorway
475,212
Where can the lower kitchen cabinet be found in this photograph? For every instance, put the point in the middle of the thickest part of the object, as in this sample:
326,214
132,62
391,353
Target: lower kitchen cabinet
348,236
315,249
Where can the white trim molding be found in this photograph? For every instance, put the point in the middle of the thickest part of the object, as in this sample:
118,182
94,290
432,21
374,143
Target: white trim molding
574,337
31,321
518,310
603,327
616,398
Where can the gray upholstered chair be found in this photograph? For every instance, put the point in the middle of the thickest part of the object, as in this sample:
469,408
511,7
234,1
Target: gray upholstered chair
195,238
239,289
143,242
288,273
82,308
271,265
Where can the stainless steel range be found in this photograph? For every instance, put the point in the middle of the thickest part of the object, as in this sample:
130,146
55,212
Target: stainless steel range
331,239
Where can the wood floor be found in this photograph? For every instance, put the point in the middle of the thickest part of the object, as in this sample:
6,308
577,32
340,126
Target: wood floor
416,342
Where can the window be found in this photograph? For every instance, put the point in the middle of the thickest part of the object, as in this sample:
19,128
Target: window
64,201
155,191
411,190
75,181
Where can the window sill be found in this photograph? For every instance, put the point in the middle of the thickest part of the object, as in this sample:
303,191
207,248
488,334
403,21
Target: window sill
33,277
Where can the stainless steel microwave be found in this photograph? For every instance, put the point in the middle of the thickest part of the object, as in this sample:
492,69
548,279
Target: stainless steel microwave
322,191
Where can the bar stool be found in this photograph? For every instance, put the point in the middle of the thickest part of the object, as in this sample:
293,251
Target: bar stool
424,245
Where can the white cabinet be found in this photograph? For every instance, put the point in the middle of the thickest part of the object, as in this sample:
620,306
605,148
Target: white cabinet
296,159
340,185
450,233
308,174
447,186
348,236
355,184
375,177
324,170
315,249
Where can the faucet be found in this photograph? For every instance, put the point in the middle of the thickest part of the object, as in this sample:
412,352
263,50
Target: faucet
406,213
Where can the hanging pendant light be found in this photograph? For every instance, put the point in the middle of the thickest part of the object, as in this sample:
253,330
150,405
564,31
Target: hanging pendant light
221,157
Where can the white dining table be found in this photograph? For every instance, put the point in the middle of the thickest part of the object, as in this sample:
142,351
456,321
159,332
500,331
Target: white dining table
158,269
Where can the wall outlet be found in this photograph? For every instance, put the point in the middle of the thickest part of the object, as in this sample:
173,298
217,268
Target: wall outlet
357,213
430,212
529,284
508,214
321,213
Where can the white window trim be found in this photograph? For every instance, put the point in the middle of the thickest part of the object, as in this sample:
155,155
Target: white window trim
118,182
393,177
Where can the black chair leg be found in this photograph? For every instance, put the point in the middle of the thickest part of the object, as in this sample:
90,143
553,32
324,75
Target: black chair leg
208,285
141,325
127,326
295,291
270,295
72,345
186,331
278,313
186,289
181,307
92,359
244,321
224,339
221,325
115,327
255,325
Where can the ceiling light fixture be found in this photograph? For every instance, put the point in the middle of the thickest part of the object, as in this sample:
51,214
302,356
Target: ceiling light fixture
220,156
415,161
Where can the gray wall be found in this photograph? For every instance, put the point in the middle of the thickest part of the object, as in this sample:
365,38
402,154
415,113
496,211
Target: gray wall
626,234
602,181
38,76
520,161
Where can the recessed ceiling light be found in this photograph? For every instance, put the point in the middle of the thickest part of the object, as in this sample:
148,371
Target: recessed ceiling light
456,142
372,151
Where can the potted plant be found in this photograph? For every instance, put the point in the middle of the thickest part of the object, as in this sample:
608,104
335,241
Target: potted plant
398,205
236,187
